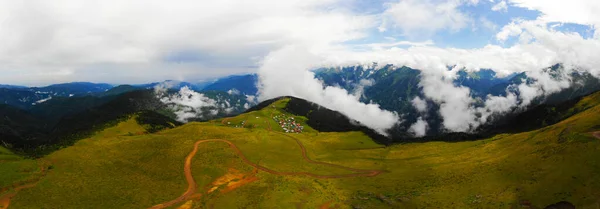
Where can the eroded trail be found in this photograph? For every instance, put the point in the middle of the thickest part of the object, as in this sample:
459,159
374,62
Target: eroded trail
192,183
365,172
5,199
187,170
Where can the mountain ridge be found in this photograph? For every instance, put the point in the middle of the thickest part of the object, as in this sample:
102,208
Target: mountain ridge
503,171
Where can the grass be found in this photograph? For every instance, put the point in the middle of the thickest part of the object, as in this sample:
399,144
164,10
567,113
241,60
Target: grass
14,168
117,168
7,155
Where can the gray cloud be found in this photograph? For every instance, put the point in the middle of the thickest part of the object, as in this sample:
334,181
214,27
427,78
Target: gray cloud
48,42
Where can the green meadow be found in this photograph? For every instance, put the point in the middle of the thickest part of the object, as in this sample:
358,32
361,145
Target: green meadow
123,167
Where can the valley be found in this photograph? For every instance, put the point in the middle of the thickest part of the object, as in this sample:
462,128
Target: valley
260,166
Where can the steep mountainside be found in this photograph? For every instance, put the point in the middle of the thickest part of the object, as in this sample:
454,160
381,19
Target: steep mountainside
56,108
18,126
21,98
75,118
394,88
542,115
61,121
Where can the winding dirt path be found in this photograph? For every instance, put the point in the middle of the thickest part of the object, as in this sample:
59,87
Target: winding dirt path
192,183
596,134
187,170
360,172
5,199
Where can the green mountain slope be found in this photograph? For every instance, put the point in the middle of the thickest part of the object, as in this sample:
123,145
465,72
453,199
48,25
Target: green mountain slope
18,126
264,167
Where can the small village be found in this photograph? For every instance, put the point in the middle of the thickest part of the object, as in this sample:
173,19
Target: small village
288,124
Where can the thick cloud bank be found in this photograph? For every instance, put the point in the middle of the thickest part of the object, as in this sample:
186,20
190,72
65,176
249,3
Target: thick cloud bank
46,42
286,73
540,47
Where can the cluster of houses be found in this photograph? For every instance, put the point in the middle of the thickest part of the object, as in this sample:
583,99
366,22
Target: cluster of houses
288,124
238,126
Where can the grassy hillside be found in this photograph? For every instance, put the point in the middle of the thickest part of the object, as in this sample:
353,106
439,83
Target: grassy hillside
122,168
14,167
16,172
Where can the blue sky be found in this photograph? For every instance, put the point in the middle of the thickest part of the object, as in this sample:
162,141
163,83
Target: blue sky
476,35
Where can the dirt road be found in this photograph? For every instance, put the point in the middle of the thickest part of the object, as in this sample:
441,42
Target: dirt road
596,134
192,183
360,172
187,170
5,199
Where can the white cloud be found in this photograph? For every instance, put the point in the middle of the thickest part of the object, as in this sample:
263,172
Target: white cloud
424,17
251,99
568,48
419,128
233,92
545,83
186,103
360,87
454,101
501,6
511,29
583,12
376,46
487,24
473,2
497,105
419,104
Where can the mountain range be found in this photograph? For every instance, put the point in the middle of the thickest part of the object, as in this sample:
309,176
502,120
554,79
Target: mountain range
392,88
301,155
130,139
38,120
